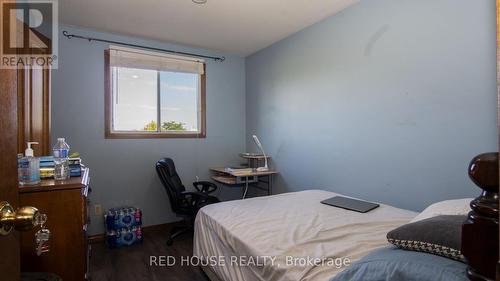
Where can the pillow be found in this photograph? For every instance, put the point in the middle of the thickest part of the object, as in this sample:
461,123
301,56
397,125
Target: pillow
448,207
441,235
393,264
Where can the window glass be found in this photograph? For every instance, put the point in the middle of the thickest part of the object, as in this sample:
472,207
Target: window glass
179,101
135,99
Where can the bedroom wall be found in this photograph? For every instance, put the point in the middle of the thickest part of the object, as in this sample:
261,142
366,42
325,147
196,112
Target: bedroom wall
122,171
388,100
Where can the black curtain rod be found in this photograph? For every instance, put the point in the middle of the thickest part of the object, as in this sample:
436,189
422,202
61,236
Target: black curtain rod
90,39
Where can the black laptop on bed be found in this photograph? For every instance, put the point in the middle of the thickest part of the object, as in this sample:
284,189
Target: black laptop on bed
350,204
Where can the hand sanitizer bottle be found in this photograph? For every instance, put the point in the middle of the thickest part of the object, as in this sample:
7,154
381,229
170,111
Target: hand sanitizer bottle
29,167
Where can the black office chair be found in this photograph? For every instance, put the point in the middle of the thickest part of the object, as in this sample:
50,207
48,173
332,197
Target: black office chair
185,204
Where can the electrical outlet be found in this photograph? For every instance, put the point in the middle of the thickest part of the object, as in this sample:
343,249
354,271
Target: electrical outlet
98,210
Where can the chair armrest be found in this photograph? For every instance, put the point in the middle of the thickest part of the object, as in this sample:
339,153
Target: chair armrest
196,199
205,186
195,194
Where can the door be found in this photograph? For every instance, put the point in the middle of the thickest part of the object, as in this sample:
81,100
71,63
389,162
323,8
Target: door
9,244
10,263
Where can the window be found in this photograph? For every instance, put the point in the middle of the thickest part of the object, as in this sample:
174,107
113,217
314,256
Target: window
153,95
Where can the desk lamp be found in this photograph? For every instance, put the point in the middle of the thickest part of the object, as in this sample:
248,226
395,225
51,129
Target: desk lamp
257,142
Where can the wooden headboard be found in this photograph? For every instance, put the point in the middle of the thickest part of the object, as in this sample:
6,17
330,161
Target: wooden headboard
498,90
480,230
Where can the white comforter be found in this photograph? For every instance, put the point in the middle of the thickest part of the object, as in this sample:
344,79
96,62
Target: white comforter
265,233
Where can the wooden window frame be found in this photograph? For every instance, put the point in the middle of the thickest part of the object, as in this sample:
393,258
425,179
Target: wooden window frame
108,112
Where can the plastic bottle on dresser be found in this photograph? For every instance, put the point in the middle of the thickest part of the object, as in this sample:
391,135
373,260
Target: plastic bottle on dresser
61,160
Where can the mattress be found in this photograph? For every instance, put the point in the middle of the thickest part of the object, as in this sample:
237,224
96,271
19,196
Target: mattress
289,236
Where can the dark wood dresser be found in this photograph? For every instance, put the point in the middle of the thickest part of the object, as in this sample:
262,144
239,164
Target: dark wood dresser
66,206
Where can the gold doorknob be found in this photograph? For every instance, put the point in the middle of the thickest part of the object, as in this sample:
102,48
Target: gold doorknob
25,218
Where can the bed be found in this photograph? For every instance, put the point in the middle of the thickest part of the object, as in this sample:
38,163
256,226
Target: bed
273,226
293,237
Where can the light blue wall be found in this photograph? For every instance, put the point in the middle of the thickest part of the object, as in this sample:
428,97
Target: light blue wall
387,100
122,171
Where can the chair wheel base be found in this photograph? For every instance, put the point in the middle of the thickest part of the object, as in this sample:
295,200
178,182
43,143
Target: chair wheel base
170,242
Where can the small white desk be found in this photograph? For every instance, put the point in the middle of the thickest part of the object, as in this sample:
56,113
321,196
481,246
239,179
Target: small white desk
244,178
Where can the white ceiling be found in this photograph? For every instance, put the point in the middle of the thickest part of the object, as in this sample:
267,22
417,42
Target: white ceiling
235,26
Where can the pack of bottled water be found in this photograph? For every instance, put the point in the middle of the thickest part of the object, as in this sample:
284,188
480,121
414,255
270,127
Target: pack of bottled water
123,226
124,237
124,217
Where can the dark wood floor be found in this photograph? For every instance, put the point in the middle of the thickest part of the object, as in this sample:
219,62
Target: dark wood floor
132,263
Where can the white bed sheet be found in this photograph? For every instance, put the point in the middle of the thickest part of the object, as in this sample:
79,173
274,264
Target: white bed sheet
288,225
